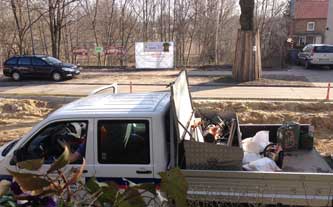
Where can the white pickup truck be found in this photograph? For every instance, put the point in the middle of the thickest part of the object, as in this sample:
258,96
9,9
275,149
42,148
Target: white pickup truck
136,136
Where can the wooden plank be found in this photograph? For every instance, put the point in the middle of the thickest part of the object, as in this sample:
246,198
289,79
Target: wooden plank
237,57
247,63
251,57
259,57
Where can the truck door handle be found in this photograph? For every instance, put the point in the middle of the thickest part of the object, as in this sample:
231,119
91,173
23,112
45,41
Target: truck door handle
85,171
143,172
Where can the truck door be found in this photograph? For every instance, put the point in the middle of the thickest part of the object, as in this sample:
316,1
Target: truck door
124,150
47,141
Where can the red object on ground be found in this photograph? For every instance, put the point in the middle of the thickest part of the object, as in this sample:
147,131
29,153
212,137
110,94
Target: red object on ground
328,91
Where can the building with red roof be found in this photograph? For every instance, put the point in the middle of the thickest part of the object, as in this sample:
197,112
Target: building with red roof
309,21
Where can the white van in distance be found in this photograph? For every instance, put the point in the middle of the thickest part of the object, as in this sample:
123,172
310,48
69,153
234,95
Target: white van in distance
316,55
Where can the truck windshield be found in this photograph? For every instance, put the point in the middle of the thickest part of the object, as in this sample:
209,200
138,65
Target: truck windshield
52,60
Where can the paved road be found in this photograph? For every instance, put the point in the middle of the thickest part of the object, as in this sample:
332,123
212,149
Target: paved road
82,87
212,92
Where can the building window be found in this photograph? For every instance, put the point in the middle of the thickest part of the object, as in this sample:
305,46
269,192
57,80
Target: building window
310,39
311,26
301,40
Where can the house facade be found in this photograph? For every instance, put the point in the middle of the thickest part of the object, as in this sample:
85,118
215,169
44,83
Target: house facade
309,22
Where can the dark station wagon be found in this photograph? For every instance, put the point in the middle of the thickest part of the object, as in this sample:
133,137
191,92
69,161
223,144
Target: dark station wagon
39,66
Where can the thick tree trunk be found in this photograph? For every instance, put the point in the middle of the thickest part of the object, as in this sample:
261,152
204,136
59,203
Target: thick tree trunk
246,18
247,62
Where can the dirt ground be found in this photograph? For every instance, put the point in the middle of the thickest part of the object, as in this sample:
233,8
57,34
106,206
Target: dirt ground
17,116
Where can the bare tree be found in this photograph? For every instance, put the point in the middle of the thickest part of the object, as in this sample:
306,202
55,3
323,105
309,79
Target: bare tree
21,12
204,32
59,14
91,10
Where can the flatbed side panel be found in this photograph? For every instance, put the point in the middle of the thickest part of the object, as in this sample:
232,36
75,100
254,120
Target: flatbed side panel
305,189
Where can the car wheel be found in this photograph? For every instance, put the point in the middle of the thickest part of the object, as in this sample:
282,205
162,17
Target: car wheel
56,76
307,64
16,76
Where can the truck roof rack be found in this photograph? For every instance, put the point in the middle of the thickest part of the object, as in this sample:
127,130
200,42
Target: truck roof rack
114,86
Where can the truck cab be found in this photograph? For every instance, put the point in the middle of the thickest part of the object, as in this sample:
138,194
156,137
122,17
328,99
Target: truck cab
124,137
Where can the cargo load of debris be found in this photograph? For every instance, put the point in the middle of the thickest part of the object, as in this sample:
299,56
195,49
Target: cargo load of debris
217,143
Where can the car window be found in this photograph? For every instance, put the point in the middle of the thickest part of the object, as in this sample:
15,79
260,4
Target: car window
329,49
38,62
123,142
11,61
24,61
52,60
321,49
307,48
48,143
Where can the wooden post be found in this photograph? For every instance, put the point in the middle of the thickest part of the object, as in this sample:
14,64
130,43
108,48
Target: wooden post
247,62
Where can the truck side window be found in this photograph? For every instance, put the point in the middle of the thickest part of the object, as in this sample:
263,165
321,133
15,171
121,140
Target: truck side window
123,142
47,143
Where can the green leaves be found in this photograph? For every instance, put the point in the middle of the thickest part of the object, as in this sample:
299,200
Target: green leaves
29,182
35,164
62,160
7,201
150,187
77,173
107,191
131,198
175,186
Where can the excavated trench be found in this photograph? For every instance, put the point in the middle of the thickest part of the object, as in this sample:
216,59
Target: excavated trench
17,116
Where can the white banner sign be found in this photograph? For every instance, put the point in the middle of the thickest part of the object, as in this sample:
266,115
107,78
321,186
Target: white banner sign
154,55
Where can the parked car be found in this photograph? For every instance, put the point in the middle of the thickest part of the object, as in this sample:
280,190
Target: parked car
316,55
40,66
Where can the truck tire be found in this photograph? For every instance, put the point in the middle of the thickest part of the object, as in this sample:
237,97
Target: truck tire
56,76
307,64
331,67
16,76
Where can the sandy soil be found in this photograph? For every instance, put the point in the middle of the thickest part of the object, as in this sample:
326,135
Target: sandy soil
19,115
